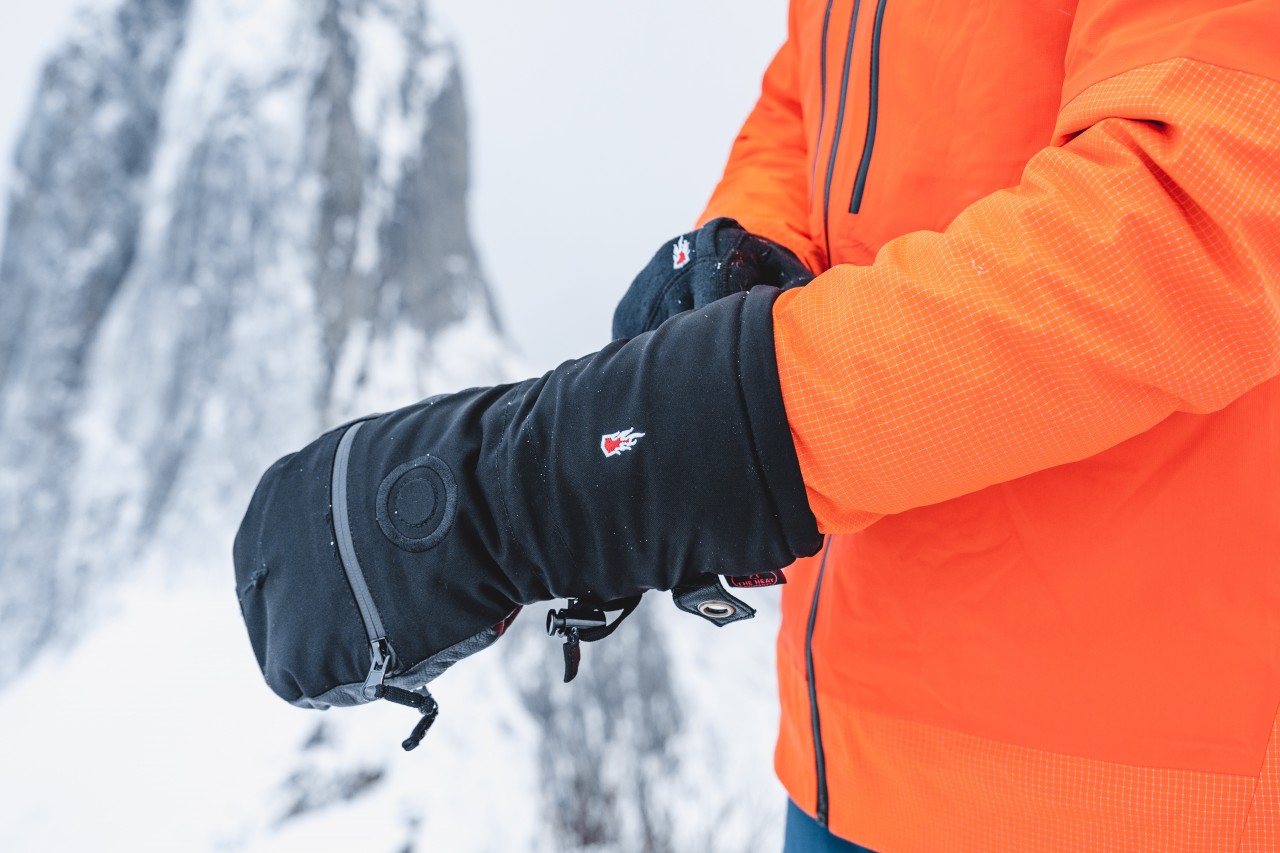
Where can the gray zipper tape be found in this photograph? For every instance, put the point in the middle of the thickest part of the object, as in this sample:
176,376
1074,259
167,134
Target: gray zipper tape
346,546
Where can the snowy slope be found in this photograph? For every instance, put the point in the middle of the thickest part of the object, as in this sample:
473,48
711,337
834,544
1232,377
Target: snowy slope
235,223
156,734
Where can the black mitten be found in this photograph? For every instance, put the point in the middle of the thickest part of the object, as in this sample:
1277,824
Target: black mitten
695,269
390,548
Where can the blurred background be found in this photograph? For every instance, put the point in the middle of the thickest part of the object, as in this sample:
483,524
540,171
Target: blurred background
230,224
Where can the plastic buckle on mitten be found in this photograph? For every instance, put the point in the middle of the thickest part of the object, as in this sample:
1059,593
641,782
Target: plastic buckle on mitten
579,623
708,599
568,622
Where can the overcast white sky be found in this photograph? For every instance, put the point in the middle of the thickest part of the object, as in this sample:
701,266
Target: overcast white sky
599,128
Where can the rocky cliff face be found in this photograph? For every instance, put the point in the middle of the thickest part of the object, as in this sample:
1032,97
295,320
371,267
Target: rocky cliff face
74,221
233,224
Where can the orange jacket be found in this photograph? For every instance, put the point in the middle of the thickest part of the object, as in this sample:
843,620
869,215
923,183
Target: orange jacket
1034,400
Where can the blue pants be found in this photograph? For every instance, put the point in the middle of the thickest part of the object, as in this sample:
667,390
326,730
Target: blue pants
806,835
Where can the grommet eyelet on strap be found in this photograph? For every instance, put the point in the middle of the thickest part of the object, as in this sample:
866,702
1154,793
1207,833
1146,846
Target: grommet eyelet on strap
717,609
705,597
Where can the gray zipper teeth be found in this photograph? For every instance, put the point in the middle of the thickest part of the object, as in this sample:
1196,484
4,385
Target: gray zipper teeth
346,546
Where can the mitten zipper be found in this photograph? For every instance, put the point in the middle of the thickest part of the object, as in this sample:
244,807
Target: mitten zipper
380,652
381,655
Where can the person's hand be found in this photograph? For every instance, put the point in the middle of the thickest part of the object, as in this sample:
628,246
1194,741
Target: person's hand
696,269
390,548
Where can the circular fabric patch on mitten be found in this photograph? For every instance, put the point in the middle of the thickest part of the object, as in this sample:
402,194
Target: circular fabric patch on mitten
417,503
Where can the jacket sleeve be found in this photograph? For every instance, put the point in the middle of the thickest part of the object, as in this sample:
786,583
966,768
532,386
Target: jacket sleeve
1134,272
765,183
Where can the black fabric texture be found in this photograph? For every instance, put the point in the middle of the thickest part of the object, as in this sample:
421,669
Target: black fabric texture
719,259
644,466
292,589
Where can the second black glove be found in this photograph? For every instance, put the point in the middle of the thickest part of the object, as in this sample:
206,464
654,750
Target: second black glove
695,269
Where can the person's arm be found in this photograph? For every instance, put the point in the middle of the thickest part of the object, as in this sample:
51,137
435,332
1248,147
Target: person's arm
1134,272
759,187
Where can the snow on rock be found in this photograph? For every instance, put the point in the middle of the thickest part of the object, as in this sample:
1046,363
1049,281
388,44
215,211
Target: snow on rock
236,223
184,271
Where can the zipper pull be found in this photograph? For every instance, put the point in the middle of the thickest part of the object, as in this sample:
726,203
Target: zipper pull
379,658
423,702
572,655
430,710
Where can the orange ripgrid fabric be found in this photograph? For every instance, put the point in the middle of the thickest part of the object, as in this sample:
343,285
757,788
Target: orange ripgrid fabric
1133,273
907,786
1262,825
1050,373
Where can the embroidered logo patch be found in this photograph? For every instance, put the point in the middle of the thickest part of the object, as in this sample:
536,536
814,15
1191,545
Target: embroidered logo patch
757,580
680,253
616,442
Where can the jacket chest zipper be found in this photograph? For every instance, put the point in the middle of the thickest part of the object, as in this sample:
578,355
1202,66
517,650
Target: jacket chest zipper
873,110
835,133
822,104
819,755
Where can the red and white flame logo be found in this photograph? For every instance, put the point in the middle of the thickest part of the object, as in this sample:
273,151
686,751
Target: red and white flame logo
680,253
616,442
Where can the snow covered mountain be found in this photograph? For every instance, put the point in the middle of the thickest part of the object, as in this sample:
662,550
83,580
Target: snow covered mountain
235,223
